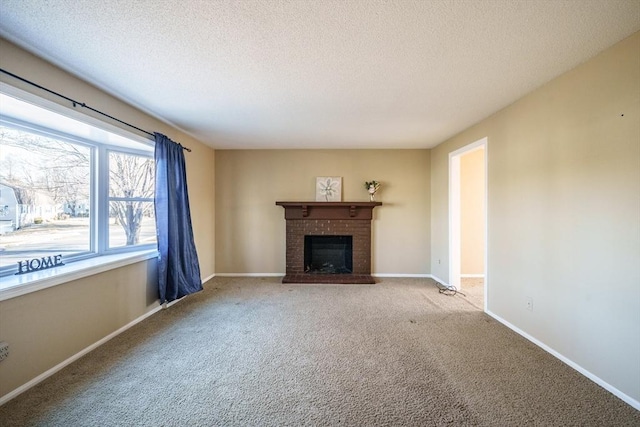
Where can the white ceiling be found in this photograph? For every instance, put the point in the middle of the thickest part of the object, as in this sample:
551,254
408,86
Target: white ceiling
318,73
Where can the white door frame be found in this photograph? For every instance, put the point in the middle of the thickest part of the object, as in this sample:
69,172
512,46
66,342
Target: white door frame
454,212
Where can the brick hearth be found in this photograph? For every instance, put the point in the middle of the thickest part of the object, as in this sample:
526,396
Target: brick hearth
328,219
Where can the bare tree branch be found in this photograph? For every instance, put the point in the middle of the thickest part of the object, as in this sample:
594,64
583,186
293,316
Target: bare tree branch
38,164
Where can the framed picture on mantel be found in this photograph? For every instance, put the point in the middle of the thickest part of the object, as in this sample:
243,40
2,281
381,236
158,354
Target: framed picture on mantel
328,189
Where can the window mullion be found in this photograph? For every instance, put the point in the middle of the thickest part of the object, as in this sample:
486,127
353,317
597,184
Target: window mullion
102,203
93,200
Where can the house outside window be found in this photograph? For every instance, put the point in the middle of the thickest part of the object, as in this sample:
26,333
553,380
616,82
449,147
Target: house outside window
70,187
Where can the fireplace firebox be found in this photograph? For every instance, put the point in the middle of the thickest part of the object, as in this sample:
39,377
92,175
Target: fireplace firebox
328,254
328,242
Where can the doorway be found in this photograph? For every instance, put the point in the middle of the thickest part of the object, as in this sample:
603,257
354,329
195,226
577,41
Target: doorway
467,218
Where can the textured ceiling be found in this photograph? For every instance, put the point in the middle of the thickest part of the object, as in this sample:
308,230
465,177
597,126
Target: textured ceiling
321,73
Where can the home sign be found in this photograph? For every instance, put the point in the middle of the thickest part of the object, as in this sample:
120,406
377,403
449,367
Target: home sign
36,264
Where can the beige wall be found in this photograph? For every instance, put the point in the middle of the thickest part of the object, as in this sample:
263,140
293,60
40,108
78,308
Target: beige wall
46,327
472,212
563,229
250,228
563,214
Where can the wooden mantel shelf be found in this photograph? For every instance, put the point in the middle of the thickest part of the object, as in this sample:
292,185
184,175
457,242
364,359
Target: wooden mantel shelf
328,210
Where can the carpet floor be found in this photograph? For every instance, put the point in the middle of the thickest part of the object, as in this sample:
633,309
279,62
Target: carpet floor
255,352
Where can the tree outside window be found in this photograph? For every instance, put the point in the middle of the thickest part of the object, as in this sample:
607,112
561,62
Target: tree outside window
48,196
131,187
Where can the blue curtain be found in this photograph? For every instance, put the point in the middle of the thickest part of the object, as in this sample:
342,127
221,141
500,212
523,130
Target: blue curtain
178,267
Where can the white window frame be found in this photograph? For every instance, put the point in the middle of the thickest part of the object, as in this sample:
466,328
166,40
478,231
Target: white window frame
99,257
104,198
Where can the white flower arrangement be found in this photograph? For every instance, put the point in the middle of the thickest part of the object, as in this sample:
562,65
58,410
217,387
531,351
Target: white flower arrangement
372,187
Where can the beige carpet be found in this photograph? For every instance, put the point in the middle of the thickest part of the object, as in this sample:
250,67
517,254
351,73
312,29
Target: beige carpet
255,352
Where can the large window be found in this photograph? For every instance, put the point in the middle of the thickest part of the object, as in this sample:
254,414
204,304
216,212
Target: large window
69,187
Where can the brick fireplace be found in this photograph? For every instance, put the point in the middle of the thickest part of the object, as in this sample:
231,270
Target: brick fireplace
350,220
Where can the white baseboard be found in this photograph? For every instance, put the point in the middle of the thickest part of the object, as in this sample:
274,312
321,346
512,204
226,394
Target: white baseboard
439,280
400,275
420,275
250,274
472,276
7,397
626,398
206,279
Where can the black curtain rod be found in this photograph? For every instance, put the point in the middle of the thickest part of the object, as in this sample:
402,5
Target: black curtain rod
82,104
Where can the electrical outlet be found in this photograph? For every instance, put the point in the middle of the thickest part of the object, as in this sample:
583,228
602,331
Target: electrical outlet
529,302
4,350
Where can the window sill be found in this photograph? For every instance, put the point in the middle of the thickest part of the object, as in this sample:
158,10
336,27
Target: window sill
16,285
